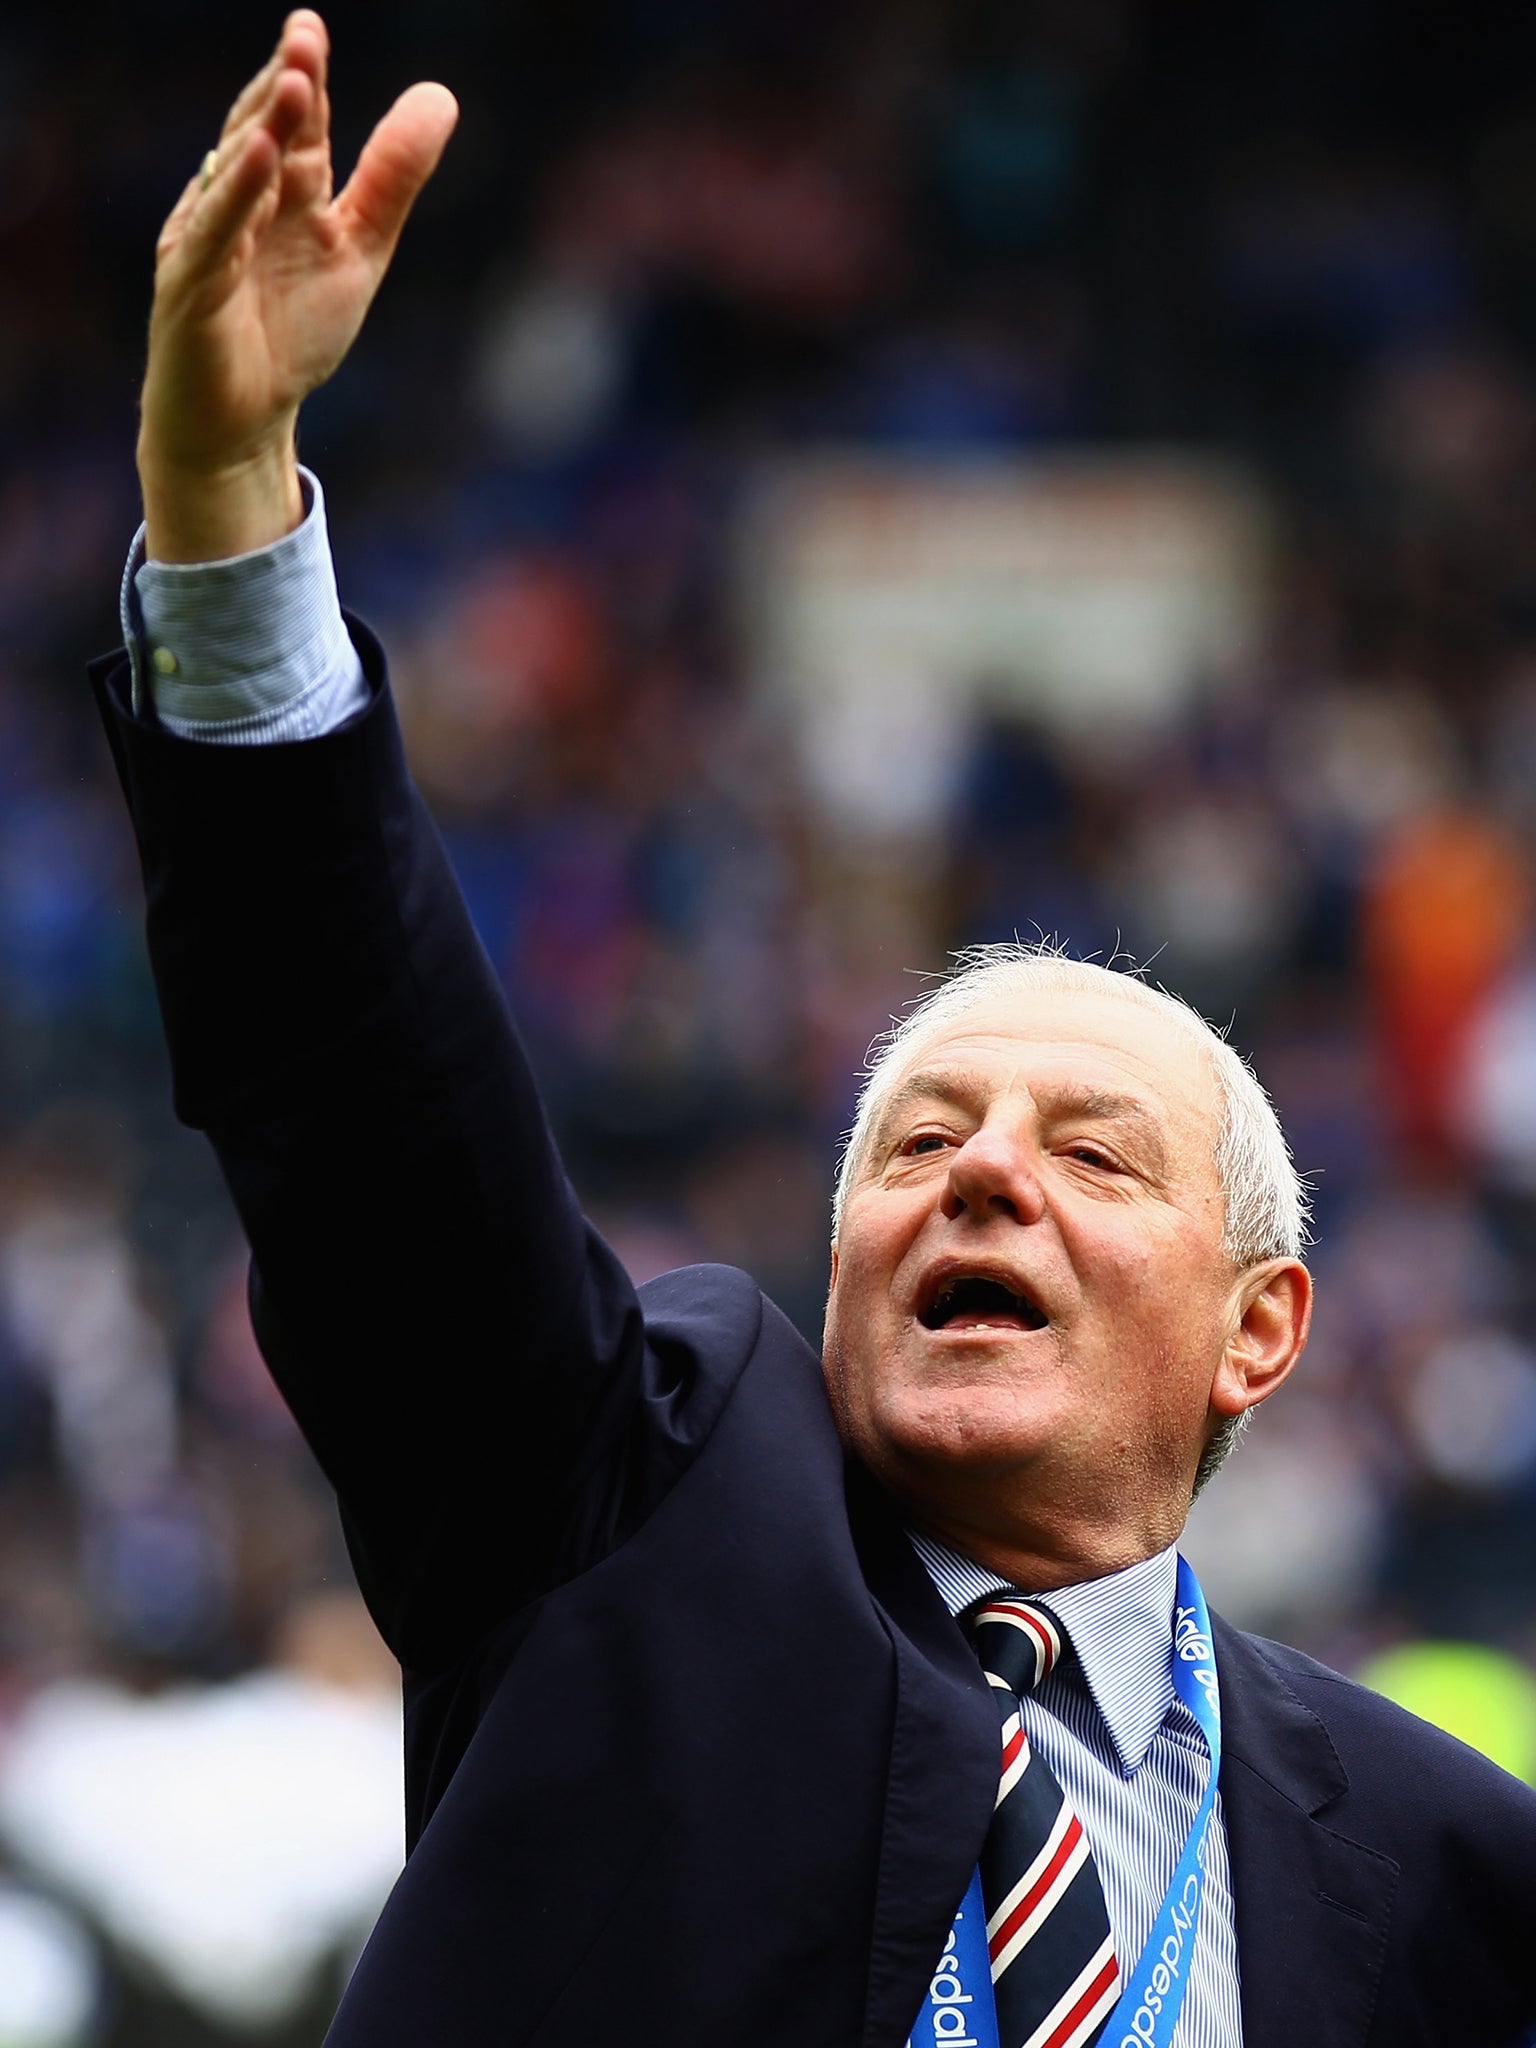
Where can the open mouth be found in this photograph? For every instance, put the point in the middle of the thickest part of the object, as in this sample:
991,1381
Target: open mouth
970,1301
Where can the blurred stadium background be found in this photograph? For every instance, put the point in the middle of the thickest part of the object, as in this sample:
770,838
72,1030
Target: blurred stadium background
838,481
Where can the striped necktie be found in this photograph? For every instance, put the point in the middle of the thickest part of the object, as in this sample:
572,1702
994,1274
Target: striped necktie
1053,1958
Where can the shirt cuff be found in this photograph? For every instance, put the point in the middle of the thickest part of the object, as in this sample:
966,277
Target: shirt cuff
248,649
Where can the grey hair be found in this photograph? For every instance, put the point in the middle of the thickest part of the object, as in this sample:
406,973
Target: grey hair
1267,1210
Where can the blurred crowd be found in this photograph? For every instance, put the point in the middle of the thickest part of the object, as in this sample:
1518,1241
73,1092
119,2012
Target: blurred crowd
672,239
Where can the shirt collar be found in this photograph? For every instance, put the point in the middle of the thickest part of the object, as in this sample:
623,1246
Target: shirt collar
1121,1627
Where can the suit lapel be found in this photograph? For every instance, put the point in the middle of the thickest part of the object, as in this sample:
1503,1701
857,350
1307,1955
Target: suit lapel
942,1781
1312,1907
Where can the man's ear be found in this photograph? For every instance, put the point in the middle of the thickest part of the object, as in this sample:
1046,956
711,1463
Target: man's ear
832,1281
1274,1312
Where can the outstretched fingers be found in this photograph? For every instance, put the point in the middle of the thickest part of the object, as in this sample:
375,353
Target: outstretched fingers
222,199
252,95
287,98
397,160
221,212
304,45
284,110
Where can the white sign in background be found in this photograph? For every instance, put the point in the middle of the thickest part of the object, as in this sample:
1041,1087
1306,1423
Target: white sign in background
883,599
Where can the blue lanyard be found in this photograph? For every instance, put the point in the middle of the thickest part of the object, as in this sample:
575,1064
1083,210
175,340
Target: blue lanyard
958,2009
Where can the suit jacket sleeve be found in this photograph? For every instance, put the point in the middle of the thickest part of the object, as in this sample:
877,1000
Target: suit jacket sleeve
465,1355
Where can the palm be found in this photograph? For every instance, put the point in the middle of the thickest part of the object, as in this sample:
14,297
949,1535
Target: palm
264,330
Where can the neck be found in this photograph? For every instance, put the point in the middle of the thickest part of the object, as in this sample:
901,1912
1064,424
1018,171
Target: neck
1043,1559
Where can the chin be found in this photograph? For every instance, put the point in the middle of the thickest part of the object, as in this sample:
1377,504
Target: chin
959,1429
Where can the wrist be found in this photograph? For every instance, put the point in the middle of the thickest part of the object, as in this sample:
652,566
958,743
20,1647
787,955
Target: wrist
200,514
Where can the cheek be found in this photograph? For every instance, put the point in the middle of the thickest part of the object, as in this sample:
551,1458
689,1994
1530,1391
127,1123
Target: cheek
860,1319
850,1303
1152,1252
1164,1290
867,1257
1118,1263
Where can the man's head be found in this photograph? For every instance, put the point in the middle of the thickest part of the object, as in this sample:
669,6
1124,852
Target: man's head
1065,1263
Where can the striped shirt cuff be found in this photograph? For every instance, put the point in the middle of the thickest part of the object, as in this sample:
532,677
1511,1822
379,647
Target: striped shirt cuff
247,650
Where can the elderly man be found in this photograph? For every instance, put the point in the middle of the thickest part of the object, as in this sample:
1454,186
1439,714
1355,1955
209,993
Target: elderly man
748,1701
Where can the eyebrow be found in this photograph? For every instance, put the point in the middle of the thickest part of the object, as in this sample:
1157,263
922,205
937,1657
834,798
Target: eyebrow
959,1088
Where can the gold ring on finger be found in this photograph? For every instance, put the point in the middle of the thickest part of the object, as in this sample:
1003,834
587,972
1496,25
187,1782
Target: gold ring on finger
205,175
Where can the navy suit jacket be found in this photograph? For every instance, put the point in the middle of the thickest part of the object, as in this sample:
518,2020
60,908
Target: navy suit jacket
695,1756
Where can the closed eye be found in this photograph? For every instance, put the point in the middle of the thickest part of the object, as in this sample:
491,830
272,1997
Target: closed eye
1090,1155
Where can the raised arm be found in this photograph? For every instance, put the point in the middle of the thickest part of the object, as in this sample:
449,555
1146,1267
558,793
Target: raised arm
262,281
466,1357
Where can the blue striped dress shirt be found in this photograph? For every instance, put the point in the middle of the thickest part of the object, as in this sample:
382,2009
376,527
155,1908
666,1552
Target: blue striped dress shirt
1129,1755
255,650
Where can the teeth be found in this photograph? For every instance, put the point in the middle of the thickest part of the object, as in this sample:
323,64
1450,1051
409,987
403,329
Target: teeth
952,1292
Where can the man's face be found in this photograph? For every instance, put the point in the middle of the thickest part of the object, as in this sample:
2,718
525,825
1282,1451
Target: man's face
1032,1316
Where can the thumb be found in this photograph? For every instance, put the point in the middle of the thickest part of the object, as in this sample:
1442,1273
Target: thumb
397,160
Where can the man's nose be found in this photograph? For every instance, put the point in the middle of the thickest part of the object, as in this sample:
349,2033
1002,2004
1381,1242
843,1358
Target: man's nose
995,1173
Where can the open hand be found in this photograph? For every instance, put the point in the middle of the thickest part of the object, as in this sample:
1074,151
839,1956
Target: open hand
262,280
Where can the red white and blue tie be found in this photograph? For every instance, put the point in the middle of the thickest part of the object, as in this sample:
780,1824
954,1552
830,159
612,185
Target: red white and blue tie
1053,1959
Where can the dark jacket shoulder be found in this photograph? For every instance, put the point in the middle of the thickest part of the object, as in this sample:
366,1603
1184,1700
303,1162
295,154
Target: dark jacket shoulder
1373,1735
